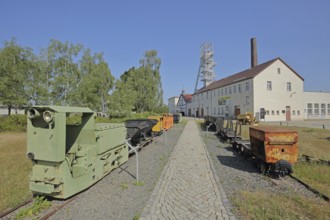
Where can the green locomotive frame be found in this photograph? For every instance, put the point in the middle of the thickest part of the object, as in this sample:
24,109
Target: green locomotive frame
69,151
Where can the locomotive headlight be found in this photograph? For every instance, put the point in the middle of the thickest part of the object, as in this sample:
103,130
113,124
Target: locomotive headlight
30,155
48,116
33,113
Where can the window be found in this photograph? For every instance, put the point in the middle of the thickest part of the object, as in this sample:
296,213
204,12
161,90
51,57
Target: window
230,90
328,109
322,108
298,112
247,102
269,85
247,86
225,91
273,112
278,70
207,95
316,109
288,86
221,91
309,108
239,88
234,89
277,112
267,112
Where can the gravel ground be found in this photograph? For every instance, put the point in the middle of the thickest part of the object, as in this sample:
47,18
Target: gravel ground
119,195
238,174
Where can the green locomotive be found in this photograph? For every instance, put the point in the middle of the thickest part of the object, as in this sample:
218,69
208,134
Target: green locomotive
69,151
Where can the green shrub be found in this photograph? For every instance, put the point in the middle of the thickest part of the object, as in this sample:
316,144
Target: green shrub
13,123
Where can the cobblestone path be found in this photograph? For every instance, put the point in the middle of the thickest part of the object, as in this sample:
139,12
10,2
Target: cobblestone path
187,188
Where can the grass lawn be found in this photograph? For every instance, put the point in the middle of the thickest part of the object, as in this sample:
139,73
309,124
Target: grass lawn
15,168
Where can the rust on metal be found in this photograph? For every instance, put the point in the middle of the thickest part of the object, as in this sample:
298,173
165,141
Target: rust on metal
272,144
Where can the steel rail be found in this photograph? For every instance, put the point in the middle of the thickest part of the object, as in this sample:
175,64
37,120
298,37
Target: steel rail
15,208
316,192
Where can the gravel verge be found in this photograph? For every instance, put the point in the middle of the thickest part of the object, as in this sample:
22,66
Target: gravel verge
237,174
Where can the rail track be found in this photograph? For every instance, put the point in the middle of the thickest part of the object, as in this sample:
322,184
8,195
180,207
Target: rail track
9,214
277,182
326,198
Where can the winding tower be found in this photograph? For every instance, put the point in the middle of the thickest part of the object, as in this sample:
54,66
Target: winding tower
206,73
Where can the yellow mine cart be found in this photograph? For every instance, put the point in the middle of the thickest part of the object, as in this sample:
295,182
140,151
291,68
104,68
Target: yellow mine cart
167,121
158,128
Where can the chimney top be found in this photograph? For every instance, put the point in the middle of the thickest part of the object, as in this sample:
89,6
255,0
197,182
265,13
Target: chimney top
254,52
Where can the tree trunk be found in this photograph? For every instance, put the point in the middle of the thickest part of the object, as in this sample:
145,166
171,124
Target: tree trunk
9,109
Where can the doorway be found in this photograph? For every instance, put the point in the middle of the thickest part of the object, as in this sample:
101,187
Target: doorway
288,113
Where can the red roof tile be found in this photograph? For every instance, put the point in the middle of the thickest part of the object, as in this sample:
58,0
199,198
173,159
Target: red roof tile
187,97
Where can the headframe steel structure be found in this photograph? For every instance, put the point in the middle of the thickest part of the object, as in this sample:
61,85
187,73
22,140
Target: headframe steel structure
206,72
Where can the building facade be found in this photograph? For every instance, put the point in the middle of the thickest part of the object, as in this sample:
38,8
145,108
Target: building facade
172,104
183,103
316,105
273,88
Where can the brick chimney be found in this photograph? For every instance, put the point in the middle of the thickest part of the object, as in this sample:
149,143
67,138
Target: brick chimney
254,53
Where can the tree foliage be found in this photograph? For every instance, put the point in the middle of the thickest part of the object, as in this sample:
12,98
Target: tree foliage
69,74
95,83
15,64
64,74
140,86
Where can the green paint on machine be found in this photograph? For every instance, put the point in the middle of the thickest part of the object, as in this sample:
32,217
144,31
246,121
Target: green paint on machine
69,151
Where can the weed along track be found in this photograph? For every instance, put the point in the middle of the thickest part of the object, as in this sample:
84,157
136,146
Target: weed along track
10,211
315,191
39,207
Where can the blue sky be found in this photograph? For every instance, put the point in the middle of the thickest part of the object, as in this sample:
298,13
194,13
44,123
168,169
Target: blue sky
297,31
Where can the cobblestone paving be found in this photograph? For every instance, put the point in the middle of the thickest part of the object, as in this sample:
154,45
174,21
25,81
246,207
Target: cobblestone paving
187,188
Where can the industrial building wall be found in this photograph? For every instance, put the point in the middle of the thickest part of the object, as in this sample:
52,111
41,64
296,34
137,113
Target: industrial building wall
280,92
172,104
316,105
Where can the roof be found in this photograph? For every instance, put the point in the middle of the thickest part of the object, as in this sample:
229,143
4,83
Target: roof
187,97
244,75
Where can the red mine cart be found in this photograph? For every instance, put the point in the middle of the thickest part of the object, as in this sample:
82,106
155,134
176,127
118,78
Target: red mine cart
276,148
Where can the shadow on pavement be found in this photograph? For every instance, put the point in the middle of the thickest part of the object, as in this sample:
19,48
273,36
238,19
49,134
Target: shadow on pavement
237,161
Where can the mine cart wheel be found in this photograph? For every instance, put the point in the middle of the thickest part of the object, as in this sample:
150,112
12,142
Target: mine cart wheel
263,167
285,168
234,145
241,150
283,172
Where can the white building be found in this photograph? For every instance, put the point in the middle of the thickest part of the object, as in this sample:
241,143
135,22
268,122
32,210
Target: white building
184,101
316,105
273,86
172,104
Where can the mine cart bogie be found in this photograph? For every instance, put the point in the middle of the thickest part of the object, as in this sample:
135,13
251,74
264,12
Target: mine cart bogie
139,131
177,118
69,152
210,123
225,129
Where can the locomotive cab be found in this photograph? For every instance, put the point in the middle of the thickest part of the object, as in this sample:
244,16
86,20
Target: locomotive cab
68,151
